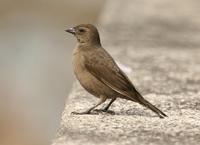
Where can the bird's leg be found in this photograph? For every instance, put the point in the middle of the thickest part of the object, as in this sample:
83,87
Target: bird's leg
102,100
105,109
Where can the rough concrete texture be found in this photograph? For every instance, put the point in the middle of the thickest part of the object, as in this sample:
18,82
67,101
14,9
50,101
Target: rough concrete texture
159,41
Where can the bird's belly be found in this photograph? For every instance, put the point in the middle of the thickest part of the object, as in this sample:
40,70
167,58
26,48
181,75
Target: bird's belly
93,85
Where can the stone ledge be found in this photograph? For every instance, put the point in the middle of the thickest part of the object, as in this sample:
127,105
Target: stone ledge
166,70
132,124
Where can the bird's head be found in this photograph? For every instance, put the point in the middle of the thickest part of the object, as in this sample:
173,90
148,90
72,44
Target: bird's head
85,34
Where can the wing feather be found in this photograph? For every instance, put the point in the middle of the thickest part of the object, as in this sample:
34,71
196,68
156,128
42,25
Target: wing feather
106,70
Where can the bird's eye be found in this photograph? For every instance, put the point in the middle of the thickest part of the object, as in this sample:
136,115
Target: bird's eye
81,30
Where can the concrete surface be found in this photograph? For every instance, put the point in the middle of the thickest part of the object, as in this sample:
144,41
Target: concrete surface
159,41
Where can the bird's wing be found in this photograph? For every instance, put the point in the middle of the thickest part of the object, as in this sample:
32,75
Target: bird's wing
106,70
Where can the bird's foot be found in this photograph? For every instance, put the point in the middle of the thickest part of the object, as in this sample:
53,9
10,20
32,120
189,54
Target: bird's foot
104,111
80,113
95,111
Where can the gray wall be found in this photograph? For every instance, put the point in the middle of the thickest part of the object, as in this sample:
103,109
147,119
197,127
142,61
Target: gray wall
35,65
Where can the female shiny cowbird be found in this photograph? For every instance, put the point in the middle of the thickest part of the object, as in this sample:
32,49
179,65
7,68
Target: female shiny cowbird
98,73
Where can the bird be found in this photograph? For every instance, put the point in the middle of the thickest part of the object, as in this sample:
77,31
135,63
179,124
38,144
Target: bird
99,74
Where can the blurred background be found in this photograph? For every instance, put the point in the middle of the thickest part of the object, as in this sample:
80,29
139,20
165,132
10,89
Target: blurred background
35,65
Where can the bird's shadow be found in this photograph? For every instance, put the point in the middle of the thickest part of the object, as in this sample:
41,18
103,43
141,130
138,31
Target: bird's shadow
134,112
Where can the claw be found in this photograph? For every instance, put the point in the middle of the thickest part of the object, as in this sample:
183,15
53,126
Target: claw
80,113
105,111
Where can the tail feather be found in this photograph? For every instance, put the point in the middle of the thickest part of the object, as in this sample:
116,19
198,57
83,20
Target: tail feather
147,104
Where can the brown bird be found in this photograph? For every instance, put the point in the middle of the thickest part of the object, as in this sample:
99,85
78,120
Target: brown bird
99,74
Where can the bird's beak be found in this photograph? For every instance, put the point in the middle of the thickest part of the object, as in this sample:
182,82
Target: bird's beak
71,30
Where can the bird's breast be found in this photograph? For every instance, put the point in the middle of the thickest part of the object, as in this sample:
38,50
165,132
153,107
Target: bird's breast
86,79
78,65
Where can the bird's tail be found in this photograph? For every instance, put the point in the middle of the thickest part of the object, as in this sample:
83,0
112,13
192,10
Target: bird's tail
147,104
